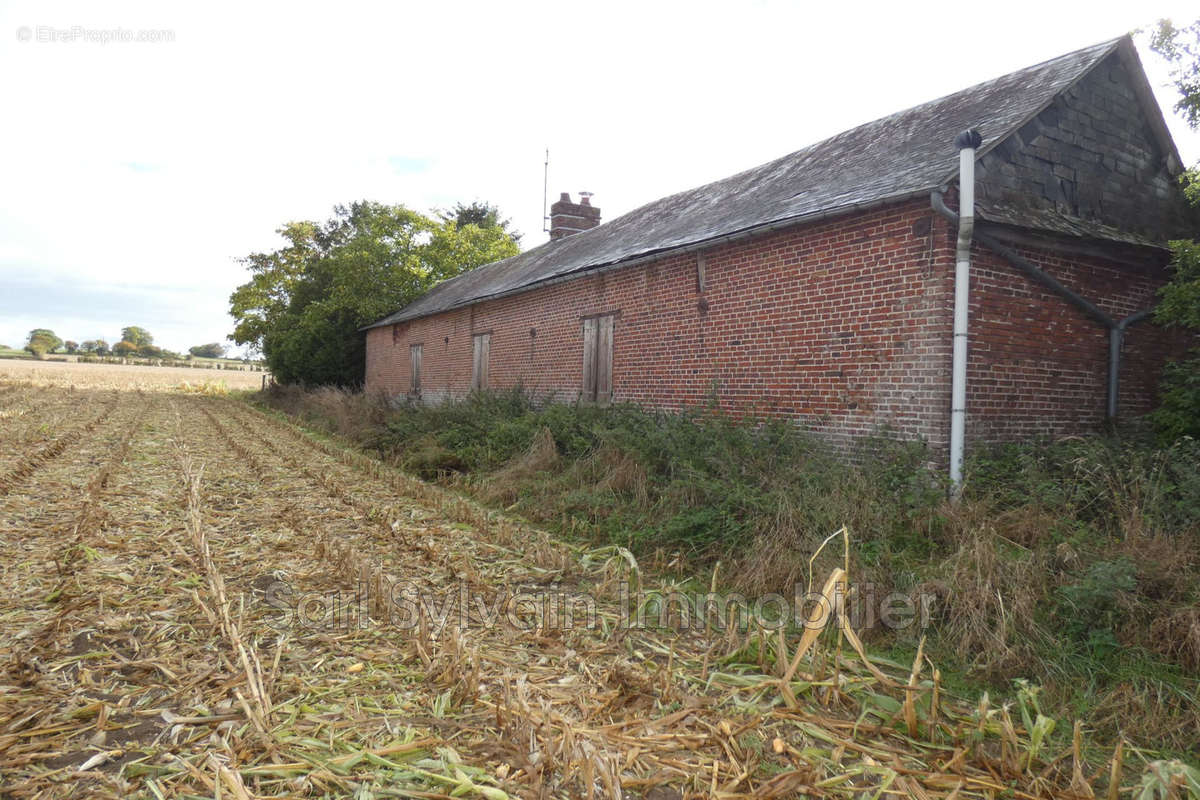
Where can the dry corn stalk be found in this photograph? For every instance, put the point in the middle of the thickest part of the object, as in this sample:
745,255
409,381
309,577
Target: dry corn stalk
258,709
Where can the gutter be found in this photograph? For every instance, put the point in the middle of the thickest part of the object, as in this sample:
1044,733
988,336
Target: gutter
1116,327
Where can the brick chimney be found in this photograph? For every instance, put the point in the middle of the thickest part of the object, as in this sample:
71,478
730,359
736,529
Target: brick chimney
567,218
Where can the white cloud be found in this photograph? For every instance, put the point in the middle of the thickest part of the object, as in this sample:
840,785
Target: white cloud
154,165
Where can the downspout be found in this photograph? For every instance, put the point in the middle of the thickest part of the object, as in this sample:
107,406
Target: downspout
966,142
1116,338
1116,328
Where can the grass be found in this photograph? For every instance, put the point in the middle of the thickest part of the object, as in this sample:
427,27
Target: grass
1071,564
8,352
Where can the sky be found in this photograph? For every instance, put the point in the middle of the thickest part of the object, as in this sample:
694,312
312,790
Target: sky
136,167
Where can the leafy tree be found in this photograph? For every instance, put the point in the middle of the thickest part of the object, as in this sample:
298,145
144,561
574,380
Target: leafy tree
1180,47
304,305
1179,412
1180,299
42,341
482,215
210,350
139,337
72,347
124,348
46,332
260,305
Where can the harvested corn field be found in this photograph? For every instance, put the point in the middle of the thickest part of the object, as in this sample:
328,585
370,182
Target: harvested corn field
204,601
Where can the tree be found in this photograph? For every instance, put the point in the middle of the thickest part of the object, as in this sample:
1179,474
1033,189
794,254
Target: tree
139,337
42,341
259,306
72,347
304,305
210,350
1180,48
482,215
124,348
1179,412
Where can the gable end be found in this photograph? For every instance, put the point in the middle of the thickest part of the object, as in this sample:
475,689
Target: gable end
1092,163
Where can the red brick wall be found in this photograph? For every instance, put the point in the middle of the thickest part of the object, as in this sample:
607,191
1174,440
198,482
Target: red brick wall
834,324
1038,365
844,325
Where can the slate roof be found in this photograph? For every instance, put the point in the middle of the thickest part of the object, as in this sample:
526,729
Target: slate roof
903,155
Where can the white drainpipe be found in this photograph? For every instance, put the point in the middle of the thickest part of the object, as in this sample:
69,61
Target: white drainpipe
966,142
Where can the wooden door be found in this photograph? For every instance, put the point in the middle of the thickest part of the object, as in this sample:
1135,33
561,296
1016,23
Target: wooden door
414,352
479,364
590,338
604,348
597,359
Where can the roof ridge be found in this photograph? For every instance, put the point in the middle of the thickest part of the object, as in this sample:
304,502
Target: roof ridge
1103,51
1105,46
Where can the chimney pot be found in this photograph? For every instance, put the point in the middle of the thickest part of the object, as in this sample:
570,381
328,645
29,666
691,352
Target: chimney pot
565,197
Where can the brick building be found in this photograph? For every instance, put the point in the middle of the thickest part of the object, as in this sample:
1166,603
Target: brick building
819,287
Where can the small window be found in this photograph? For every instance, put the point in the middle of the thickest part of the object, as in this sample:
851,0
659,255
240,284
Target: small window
479,363
395,334
597,359
414,353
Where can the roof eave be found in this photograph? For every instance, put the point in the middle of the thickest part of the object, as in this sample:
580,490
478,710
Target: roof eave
645,258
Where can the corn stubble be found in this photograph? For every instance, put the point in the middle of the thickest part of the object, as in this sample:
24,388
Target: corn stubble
141,656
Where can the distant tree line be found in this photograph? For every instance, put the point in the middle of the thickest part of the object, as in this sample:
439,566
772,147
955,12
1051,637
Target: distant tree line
135,341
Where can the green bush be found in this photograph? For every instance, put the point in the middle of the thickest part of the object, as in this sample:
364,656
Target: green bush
1115,485
1091,607
1178,413
699,481
1179,410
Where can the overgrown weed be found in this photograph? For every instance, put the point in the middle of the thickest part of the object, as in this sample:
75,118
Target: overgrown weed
1070,563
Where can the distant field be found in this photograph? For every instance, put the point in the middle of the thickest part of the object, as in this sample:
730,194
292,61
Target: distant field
125,376
236,362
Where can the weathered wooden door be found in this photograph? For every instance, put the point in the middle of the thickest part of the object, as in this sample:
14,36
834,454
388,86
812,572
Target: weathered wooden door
414,352
604,348
589,359
597,359
479,364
